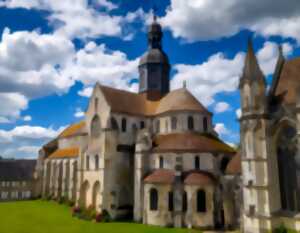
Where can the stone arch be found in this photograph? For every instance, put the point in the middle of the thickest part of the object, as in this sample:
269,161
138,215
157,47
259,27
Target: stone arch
95,126
286,151
153,199
96,195
84,189
114,124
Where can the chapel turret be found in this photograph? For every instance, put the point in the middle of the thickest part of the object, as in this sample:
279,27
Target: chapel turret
154,67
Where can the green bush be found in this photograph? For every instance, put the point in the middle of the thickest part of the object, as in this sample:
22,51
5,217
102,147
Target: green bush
106,216
282,229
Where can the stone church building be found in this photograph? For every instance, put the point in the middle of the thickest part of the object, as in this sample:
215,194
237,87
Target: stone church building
152,155
270,145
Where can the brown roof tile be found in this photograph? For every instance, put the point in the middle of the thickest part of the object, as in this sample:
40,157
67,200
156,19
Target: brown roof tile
137,104
65,153
235,165
289,81
74,129
190,142
161,176
198,178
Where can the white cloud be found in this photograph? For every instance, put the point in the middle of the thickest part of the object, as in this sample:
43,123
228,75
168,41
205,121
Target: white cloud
79,113
220,74
11,105
29,149
98,64
221,129
81,18
217,74
267,56
27,118
222,107
86,92
238,113
4,120
211,19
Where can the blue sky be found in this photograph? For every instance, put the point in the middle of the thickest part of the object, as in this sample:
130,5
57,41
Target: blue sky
52,52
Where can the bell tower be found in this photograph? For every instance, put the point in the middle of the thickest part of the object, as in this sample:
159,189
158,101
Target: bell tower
154,67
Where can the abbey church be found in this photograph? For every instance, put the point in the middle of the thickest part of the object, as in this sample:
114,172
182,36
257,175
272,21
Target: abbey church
154,155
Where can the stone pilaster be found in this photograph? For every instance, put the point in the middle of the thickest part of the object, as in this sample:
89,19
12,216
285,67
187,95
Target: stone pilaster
178,193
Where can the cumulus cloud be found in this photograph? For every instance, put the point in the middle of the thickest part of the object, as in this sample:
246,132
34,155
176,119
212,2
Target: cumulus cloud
221,129
82,18
211,19
11,106
220,74
222,107
24,141
27,118
217,74
238,113
79,113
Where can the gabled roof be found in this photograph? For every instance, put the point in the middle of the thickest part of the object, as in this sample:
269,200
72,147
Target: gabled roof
71,152
234,166
74,129
17,170
192,177
137,104
288,83
190,142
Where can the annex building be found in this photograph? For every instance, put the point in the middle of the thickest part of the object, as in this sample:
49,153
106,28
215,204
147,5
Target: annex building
152,155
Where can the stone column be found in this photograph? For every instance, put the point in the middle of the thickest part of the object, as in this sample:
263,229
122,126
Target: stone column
45,178
178,193
51,185
71,180
64,177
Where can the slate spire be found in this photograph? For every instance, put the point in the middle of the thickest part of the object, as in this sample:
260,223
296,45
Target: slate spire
251,70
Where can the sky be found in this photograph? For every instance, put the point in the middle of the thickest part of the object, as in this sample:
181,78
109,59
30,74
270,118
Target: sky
52,53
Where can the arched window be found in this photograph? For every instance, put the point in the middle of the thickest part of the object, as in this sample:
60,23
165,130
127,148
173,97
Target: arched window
190,123
197,162
97,162
124,125
161,162
205,126
95,126
170,198
153,199
142,124
173,123
87,162
201,201
287,170
184,202
114,123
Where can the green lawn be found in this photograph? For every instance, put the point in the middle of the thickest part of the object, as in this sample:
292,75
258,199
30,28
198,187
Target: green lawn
50,217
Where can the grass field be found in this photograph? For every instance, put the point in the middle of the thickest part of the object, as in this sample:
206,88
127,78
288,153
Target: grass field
50,217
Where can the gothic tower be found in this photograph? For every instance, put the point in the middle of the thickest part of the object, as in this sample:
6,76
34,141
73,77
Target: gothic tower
255,161
154,67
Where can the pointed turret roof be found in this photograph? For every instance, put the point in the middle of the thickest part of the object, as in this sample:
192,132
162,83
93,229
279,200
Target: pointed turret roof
251,69
278,69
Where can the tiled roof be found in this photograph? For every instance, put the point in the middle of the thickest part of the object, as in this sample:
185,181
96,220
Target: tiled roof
198,178
235,165
17,170
190,142
167,176
289,81
161,176
65,153
74,129
137,104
